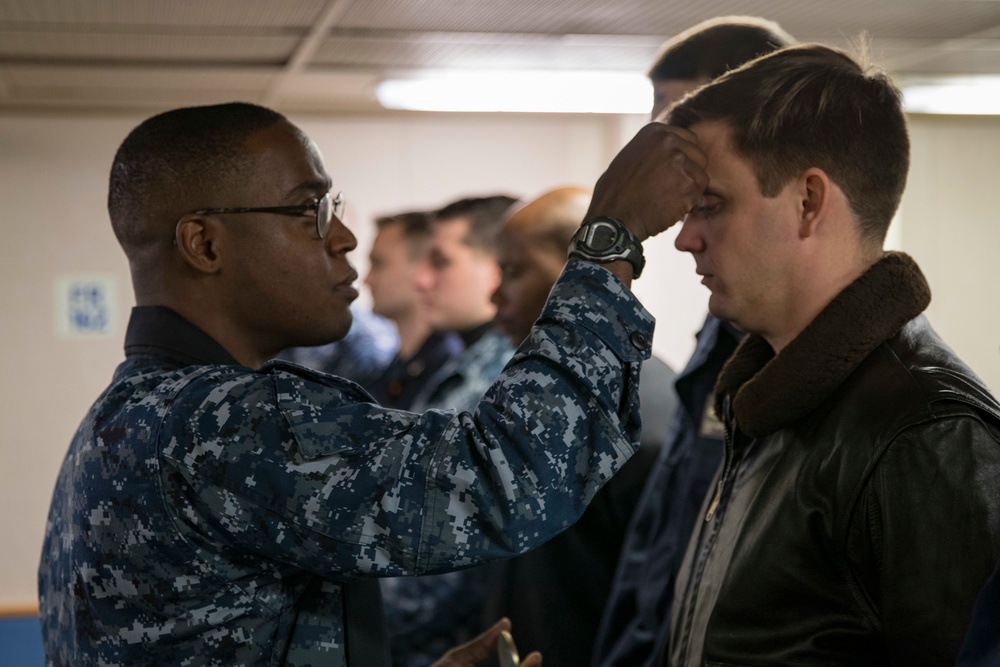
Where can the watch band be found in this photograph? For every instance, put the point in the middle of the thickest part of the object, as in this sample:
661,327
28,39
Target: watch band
603,239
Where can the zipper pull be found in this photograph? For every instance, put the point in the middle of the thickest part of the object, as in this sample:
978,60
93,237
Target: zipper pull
715,502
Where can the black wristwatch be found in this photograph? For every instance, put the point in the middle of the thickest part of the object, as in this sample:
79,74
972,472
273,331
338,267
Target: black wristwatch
604,239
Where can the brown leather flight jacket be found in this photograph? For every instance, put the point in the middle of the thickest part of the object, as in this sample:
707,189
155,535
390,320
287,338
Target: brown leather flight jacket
857,515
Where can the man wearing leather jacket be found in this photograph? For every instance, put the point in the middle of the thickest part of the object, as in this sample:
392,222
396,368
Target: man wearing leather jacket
857,512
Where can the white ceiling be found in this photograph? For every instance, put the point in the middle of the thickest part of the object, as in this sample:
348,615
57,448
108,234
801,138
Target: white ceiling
326,56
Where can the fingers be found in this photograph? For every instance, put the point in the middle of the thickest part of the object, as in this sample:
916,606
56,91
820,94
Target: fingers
533,659
476,649
653,181
683,133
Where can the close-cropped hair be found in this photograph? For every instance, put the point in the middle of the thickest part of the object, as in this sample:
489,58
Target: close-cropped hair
416,226
174,159
485,216
713,47
813,106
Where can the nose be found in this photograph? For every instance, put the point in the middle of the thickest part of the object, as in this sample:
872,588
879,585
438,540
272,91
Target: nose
340,239
689,237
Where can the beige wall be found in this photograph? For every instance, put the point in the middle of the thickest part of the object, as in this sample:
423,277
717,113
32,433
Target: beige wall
951,225
52,189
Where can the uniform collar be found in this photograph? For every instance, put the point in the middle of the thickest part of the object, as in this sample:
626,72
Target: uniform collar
471,336
161,332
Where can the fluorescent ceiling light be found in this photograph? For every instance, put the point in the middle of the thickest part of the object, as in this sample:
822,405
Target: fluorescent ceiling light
523,91
562,91
953,95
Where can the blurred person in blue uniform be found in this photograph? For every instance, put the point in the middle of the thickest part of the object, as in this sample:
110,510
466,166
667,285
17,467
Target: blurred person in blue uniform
555,594
456,281
398,250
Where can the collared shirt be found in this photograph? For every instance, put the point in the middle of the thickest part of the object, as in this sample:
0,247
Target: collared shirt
211,514
461,383
404,379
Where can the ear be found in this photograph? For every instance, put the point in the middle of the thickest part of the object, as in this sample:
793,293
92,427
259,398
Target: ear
197,238
814,189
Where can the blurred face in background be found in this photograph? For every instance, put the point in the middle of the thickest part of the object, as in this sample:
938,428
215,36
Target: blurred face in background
529,267
455,280
393,267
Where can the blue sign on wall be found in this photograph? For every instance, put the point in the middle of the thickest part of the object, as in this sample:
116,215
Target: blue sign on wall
85,306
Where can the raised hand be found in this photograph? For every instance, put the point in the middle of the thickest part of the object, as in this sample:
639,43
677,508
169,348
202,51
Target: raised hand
653,181
482,647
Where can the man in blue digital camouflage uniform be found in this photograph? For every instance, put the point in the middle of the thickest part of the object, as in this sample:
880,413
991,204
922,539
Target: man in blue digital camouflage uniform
214,509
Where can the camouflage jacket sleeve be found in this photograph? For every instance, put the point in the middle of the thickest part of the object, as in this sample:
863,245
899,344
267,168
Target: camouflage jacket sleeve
303,468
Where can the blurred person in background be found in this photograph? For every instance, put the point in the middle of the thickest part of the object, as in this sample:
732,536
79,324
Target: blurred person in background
397,252
425,615
554,596
457,280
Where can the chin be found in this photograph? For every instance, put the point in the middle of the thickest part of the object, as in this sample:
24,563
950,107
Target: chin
340,330
332,330
720,309
714,306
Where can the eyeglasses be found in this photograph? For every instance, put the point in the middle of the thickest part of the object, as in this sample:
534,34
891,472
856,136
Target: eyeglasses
323,208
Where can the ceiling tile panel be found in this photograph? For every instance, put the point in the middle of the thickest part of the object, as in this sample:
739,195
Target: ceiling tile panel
231,13
902,18
53,47
103,87
134,53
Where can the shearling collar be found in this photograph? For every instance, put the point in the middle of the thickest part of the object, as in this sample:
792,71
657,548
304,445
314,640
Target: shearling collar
772,391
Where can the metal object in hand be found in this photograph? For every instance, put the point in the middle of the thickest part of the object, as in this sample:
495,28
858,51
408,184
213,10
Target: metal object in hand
507,651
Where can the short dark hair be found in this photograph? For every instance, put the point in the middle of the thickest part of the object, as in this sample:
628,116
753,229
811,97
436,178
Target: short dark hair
813,106
713,47
416,226
485,216
175,159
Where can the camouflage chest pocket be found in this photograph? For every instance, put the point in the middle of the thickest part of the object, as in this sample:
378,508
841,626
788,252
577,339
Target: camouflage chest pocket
332,417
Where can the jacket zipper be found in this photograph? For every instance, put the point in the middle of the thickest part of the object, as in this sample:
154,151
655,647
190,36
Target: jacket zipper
714,505
706,542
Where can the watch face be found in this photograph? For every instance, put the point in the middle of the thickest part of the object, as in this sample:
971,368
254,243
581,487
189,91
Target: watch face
605,240
602,236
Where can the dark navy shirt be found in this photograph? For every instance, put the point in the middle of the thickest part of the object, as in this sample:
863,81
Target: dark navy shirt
982,643
404,379
636,623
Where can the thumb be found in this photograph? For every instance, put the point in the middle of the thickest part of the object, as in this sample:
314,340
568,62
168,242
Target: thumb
476,649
